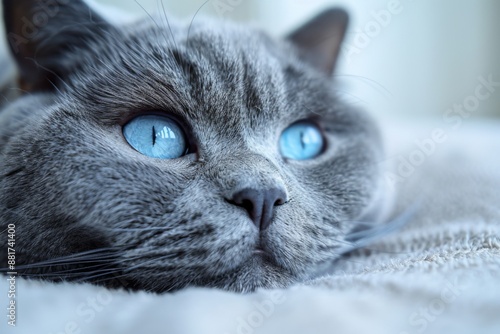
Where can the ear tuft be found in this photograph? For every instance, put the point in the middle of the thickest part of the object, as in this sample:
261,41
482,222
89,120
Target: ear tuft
321,38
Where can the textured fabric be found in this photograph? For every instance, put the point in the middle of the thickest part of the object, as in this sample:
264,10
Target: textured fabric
438,274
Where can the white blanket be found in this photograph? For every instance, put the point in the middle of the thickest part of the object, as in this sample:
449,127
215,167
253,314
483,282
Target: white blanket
439,274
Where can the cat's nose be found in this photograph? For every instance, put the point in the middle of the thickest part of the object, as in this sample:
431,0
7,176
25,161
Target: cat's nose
260,204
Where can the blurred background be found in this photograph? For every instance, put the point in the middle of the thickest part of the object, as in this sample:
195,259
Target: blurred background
401,58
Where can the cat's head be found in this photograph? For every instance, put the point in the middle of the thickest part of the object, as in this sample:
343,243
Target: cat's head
171,154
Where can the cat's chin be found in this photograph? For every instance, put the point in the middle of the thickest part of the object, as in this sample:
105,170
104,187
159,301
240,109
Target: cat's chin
258,272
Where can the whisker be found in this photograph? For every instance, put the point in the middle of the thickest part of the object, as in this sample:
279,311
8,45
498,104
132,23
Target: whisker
371,81
363,238
82,256
65,272
356,99
168,23
192,20
139,229
100,273
148,14
65,263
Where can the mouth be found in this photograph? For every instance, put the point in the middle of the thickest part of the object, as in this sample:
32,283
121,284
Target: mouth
263,257
259,271
259,251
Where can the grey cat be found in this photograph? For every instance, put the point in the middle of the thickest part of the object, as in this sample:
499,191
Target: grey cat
160,155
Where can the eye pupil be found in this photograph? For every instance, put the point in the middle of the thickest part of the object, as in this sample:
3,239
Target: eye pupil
143,134
301,141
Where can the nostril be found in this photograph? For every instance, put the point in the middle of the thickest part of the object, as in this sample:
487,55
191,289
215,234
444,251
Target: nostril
280,196
247,205
259,204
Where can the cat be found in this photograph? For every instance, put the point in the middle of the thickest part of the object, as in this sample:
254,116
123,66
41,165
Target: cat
161,154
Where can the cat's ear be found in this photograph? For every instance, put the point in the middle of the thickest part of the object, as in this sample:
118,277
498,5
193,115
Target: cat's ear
321,38
42,34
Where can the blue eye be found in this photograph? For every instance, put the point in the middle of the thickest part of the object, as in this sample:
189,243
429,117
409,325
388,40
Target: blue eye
156,136
301,141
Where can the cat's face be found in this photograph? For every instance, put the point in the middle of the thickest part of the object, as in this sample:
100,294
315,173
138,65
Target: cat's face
72,182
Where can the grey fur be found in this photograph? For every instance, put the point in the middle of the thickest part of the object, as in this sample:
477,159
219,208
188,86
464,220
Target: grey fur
72,185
